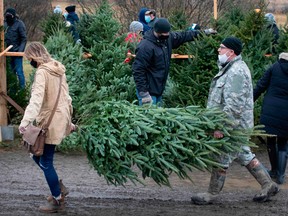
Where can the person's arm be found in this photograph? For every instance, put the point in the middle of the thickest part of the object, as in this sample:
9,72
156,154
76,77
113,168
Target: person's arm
22,36
36,99
178,38
140,66
235,96
262,84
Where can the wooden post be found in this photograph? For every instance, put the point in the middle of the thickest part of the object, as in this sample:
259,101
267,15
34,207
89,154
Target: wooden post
215,10
3,78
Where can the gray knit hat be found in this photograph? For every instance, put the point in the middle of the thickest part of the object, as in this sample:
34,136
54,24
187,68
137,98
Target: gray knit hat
136,26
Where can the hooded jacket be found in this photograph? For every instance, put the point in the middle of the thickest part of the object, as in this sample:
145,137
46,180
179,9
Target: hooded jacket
141,18
152,61
43,97
274,114
16,35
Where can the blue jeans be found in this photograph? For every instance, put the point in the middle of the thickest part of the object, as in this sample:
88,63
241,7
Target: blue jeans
157,100
45,162
17,68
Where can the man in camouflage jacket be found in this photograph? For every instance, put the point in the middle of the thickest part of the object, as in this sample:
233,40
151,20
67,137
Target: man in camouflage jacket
231,91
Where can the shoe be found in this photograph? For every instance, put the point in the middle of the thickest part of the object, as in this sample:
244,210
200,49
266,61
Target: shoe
268,187
203,198
64,191
266,193
53,206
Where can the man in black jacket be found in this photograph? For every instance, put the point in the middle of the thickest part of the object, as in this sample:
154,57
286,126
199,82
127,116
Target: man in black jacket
152,61
15,34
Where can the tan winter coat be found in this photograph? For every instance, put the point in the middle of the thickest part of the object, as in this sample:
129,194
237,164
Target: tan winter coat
43,97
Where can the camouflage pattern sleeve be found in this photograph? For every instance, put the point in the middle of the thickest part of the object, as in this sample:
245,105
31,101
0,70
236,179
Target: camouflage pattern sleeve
231,91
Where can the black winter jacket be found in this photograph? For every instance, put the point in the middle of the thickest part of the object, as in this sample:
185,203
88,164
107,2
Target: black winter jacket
73,18
274,113
152,61
16,35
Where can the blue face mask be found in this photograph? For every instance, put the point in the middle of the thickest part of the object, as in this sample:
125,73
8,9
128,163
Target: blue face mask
147,19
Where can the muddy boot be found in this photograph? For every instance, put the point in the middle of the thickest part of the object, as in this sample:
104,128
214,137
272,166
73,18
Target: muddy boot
63,188
269,188
282,162
217,181
53,206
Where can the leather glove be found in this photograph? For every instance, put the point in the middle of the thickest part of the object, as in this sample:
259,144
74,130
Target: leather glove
210,31
146,97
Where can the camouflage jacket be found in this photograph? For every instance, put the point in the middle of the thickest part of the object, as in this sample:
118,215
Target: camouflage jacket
231,91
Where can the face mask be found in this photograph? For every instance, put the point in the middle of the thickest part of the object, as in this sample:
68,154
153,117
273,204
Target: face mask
223,58
163,37
33,63
65,15
147,19
9,19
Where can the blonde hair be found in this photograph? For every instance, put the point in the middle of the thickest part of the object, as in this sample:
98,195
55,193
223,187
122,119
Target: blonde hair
37,52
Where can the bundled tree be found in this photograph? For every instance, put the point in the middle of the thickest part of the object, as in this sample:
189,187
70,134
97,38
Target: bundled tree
118,136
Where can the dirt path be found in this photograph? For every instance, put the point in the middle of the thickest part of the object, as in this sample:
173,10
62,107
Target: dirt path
23,189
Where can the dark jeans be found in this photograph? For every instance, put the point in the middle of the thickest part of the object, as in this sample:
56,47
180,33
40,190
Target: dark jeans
17,68
45,162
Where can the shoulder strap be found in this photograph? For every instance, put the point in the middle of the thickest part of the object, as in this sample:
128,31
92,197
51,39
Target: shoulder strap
55,106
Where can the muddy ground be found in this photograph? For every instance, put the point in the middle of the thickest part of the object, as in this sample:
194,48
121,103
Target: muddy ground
23,189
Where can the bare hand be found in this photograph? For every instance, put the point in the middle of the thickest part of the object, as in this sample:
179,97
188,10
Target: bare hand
21,129
218,134
73,127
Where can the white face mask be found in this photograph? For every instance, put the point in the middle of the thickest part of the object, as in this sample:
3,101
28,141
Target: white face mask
223,58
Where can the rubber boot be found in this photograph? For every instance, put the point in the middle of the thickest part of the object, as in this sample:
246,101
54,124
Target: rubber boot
273,157
268,187
64,191
282,162
217,181
53,206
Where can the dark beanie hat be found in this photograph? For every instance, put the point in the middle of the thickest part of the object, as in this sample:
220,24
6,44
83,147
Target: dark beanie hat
70,8
11,11
234,44
162,25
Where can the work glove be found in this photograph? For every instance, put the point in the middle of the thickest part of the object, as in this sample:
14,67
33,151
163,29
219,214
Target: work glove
78,41
210,31
146,97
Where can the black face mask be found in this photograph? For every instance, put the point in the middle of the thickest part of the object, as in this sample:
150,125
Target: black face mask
33,63
9,19
163,37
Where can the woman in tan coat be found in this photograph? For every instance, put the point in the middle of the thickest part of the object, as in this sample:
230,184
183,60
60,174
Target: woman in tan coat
43,97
